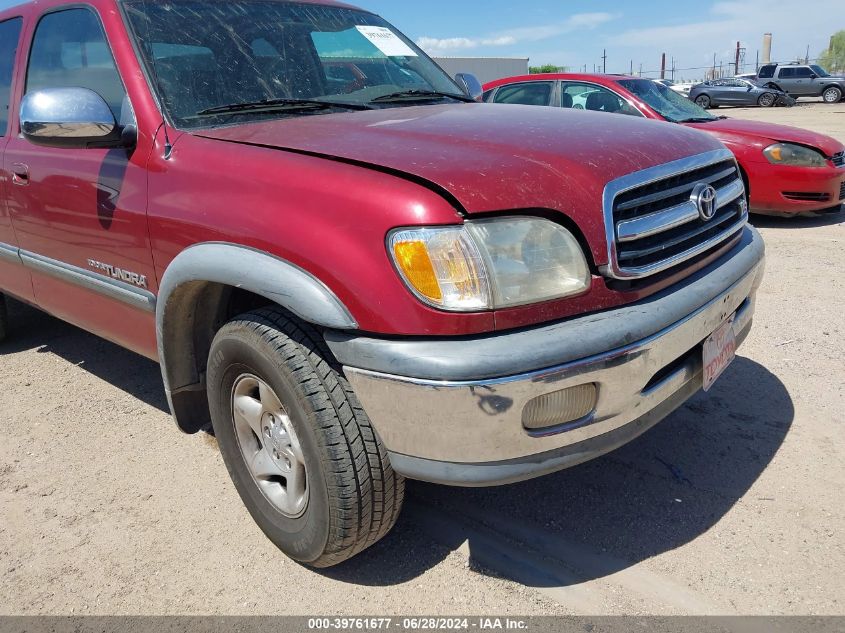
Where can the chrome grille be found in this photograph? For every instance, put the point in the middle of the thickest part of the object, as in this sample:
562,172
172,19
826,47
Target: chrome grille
653,224
839,159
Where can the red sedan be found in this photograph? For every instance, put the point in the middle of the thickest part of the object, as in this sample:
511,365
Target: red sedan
787,170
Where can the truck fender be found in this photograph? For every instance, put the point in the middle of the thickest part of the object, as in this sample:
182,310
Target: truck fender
185,314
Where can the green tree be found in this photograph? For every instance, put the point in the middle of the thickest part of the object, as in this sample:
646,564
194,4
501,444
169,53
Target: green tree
548,68
833,59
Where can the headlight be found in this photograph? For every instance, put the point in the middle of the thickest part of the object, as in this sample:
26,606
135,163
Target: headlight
794,155
490,264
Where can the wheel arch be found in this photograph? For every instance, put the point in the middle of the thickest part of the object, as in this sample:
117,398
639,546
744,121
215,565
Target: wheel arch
205,286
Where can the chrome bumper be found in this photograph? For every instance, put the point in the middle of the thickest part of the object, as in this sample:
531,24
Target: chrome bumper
471,432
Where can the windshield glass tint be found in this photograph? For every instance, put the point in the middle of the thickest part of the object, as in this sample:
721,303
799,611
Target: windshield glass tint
668,103
205,54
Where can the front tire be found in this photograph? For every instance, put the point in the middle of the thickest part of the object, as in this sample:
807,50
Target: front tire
298,446
703,101
766,100
832,95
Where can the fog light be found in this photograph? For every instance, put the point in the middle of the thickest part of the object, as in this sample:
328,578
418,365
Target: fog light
560,407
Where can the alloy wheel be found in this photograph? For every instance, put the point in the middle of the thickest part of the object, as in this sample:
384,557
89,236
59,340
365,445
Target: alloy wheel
269,445
832,95
766,100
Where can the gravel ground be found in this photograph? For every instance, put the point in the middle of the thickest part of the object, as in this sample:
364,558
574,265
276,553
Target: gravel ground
732,505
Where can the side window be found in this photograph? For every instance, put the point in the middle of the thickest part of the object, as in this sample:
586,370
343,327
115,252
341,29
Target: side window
803,72
596,98
538,93
767,72
69,50
787,73
10,31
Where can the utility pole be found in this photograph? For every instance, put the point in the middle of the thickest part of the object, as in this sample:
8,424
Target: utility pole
641,69
604,61
736,64
757,63
714,66
673,68
632,68
807,59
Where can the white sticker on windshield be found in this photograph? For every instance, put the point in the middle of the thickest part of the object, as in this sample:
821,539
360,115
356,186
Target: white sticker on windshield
386,41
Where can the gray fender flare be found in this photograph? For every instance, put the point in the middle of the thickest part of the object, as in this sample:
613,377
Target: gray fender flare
179,306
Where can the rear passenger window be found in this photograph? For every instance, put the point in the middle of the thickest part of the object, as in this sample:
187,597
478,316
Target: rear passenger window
69,50
10,31
767,72
787,73
538,93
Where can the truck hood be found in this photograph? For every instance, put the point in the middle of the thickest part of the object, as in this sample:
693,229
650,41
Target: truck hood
730,129
487,157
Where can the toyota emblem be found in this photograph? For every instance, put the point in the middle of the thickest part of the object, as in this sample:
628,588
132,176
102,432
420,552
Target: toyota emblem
704,199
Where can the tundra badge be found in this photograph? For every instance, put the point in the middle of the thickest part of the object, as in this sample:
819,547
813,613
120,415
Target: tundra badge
118,273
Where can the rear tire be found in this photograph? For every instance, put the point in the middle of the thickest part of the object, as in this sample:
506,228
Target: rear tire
832,95
335,493
703,101
4,318
766,100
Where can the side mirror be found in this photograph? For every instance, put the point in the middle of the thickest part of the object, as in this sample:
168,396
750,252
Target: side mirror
69,118
470,85
813,76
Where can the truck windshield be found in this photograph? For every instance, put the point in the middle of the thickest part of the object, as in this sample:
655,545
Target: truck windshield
821,72
207,60
666,102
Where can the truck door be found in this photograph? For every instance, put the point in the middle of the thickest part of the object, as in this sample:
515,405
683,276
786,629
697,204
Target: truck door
80,214
788,81
14,278
804,82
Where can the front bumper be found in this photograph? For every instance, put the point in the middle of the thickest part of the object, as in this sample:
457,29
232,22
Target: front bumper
450,411
787,191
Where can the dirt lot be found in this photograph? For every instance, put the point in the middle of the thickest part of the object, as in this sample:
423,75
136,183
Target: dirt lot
732,505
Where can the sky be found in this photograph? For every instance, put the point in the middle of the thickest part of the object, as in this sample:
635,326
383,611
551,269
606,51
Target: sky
575,33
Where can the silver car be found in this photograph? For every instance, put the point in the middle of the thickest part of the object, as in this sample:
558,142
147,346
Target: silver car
736,92
803,81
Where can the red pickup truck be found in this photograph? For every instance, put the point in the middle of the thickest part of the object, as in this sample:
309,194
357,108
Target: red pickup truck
347,268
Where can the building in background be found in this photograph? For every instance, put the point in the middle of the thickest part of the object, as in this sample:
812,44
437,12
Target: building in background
485,68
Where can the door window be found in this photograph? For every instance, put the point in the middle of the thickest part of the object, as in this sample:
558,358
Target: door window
10,31
803,73
538,93
595,98
69,50
787,73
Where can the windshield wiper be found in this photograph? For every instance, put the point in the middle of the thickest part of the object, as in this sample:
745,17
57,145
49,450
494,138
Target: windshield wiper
280,105
699,119
420,95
